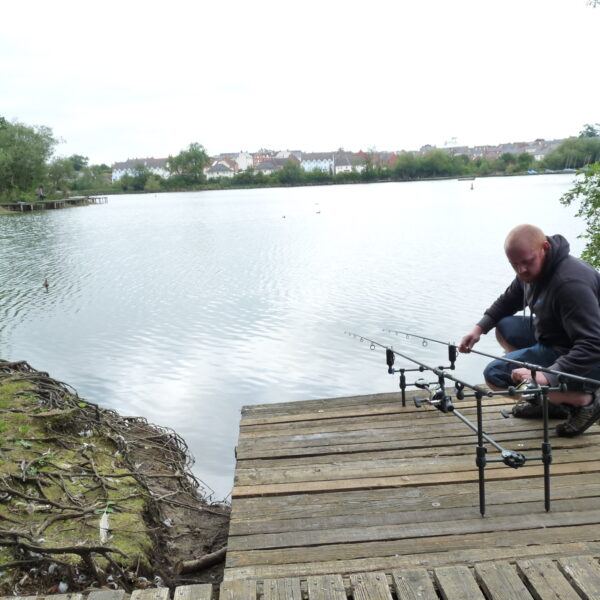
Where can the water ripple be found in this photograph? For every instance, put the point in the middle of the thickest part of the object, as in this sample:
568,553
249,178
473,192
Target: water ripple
185,307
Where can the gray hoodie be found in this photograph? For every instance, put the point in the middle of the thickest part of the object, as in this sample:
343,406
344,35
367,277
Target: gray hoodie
565,302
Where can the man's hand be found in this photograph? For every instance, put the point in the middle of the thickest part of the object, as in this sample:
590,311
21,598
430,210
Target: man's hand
467,343
521,374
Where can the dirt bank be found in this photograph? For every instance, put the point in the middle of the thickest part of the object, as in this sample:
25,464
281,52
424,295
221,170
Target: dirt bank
90,499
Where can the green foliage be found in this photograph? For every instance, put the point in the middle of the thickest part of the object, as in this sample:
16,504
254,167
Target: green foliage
61,173
573,153
586,191
24,152
189,164
292,173
590,130
152,184
525,161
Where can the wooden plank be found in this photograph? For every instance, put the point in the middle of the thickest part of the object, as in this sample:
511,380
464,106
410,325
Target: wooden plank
381,468
383,548
322,414
457,583
199,591
583,572
248,451
326,587
62,597
370,586
500,581
445,427
107,595
282,589
592,466
348,403
318,403
305,506
515,506
408,560
413,530
546,580
238,590
529,446
151,594
413,584
367,421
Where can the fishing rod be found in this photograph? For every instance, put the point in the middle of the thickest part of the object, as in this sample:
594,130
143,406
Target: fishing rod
562,376
442,400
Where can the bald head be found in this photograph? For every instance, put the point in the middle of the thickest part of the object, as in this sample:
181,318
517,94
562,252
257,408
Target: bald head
526,248
528,235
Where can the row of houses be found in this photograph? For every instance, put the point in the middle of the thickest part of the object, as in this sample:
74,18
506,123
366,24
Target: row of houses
538,149
264,161
270,161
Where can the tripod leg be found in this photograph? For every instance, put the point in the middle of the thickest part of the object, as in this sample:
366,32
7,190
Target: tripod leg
480,460
546,453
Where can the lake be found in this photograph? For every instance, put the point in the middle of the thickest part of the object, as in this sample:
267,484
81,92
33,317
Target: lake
184,307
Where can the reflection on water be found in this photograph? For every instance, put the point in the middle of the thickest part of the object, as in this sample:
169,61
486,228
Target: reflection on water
185,307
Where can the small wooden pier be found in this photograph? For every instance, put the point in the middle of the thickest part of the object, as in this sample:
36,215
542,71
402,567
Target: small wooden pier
362,498
55,204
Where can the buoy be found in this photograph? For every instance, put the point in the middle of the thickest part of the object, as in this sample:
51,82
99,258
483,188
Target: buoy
46,284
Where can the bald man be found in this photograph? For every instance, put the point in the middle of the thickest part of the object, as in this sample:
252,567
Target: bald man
562,293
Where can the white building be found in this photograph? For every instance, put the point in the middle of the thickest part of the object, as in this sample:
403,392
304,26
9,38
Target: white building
345,162
318,161
244,161
218,169
157,166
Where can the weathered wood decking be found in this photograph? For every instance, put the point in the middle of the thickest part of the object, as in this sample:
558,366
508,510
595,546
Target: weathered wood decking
371,491
55,204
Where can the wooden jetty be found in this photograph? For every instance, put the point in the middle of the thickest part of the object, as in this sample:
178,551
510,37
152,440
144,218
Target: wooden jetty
55,204
361,498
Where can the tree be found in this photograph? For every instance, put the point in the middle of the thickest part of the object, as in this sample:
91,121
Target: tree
24,151
189,164
78,161
437,163
406,166
587,192
291,173
590,130
525,161
152,184
574,153
60,172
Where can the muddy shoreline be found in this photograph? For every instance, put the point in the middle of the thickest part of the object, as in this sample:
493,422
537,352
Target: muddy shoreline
91,499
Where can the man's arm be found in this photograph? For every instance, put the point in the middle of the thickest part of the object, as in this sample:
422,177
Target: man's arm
506,304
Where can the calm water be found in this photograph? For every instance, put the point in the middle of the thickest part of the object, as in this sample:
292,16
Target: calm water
185,307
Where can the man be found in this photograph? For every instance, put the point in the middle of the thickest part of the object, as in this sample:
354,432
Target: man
563,294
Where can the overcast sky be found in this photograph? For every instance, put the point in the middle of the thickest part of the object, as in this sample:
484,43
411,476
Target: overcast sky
132,79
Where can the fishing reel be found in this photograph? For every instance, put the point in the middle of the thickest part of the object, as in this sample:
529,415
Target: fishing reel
437,397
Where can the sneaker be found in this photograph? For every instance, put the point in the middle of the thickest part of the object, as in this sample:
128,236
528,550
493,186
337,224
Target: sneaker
526,409
580,419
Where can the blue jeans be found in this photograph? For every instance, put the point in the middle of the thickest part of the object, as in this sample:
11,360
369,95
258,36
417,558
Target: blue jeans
519,333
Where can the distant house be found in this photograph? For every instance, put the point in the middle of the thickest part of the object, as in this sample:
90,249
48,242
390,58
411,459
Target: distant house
272,165
219,169
222,166
243,160
318,161
157,166
261,156
297,154
346,162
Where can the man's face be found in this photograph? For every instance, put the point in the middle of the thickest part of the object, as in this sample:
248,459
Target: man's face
527,261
